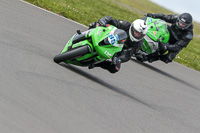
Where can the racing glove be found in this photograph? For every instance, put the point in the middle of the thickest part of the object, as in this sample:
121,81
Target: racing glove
102,22
151,15
163,46
92,25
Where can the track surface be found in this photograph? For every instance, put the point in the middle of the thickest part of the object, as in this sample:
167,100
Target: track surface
39,96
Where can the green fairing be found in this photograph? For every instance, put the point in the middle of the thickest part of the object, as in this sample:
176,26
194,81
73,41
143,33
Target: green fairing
97,52
146,46
157,31
104,51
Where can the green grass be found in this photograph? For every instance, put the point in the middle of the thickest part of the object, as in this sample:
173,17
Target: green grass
87,11
190,56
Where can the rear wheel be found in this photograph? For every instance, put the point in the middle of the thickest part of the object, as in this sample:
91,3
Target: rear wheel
72,54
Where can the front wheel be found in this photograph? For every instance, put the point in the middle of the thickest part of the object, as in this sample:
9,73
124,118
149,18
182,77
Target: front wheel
72,54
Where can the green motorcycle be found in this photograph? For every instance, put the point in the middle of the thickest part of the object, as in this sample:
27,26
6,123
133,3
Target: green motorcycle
92,46
157,34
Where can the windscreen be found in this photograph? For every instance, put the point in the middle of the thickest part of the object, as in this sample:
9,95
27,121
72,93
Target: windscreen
161,25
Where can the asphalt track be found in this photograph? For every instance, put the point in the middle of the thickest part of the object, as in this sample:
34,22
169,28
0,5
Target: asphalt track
40,96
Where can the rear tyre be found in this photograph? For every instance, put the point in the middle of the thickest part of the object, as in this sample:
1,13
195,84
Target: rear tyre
72,54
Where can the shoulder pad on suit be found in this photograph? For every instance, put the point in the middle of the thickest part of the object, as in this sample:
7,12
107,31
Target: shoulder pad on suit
188,36
124,24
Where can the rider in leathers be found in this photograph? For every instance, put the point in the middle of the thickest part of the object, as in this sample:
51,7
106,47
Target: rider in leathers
132,44
181,33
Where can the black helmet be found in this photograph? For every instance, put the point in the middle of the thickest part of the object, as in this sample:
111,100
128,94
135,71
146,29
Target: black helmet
184,21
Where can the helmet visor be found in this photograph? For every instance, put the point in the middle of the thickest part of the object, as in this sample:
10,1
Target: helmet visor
136,34
182,25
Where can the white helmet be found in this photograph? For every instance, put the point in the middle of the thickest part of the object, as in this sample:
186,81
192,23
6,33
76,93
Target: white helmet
137,30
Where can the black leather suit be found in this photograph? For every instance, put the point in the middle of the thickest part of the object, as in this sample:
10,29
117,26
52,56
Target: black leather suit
178,38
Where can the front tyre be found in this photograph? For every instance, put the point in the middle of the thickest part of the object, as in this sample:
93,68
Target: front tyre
72,54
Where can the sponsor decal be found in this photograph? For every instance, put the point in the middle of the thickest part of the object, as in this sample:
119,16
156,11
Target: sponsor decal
150,20
107,53
155,32
109,28
99,32
112,39
153,35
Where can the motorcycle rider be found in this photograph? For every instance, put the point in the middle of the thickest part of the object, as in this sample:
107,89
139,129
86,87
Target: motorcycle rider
135,31
181,33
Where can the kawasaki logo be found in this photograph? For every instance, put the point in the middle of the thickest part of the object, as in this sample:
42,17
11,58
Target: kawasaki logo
153,35
107,53
99,32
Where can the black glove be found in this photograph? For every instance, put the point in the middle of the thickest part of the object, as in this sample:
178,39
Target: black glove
151,15
163,46
92,25
102,22
117,63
